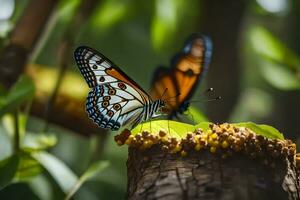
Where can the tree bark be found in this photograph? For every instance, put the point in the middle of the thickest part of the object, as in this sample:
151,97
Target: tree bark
153,174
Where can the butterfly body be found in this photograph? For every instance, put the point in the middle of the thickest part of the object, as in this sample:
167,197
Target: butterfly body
181,79
115,100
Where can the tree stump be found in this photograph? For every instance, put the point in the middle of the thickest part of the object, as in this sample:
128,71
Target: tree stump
153,174
226,161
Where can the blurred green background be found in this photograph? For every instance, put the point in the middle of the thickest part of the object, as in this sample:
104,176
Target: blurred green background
255,68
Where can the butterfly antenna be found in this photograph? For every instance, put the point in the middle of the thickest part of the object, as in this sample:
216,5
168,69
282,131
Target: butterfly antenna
207,100
208,91
214,99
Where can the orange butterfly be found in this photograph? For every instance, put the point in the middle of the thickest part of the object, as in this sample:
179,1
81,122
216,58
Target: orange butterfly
178,83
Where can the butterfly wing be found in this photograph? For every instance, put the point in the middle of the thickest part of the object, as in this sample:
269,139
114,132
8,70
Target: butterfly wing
164,86
112,106
191,65
187,69
115,100
99,70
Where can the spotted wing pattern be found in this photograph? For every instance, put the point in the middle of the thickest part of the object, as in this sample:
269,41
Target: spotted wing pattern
115,100
111,105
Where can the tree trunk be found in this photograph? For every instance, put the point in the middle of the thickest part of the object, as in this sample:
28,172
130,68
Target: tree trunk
222,21
153,174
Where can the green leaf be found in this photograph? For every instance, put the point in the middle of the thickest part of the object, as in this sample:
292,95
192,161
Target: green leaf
179,130
268,46
196,115
5,144
279,76
262,129
109,14
8,121
36,142
22,91
279,65
173,128
41,187
92,171
8,169
203,125
60,172
164,22
66,9
28,168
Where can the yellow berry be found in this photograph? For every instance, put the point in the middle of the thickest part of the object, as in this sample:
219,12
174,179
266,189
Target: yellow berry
204,136
128,141
213,136
164,139
210,141
224,144
215,143
213,149
131,137
197,138
177,148
198,147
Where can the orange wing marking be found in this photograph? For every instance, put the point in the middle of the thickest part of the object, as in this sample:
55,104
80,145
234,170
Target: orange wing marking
116,74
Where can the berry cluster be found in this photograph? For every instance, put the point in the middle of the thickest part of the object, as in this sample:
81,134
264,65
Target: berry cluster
224,139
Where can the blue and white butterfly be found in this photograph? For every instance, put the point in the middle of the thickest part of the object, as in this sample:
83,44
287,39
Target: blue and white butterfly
114,100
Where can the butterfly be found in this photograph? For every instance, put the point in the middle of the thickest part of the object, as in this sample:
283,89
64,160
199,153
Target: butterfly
114,100
179,82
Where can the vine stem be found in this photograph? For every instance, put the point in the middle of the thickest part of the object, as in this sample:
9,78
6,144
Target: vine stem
17,132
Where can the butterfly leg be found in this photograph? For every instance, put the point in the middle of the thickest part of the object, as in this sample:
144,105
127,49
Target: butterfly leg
141,128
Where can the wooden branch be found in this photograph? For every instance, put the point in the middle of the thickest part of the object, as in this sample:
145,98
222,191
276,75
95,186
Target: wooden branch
23,38
69,107
67,112
31,23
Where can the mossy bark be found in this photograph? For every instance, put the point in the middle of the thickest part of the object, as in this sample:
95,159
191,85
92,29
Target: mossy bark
153,174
